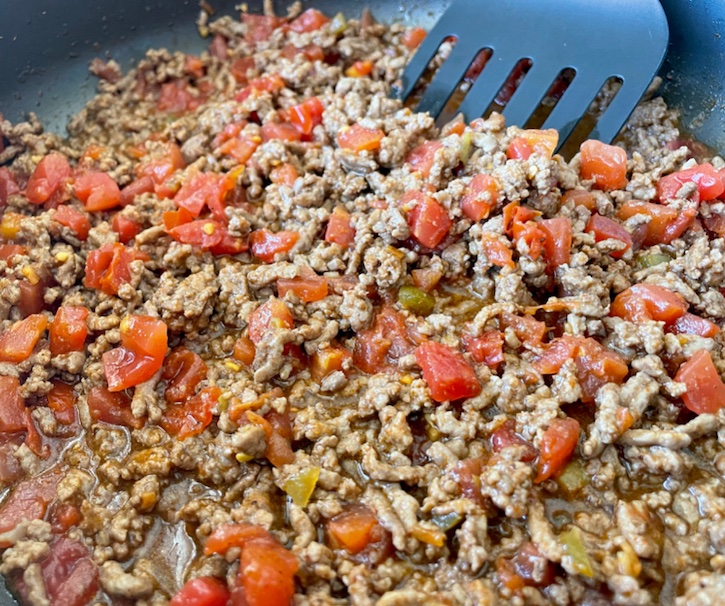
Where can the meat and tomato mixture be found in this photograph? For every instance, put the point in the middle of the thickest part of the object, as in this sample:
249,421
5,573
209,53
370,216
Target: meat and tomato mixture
268,337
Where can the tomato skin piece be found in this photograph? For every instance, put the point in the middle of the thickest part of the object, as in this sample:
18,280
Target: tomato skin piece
48,179
448,374
266,245
18,342
557,243
272,314
97,190
709,183
309,21
306,115
605,228
204,190
557,445
705,391
481,197
642,302
74,219
497,252
108,267
112,407
605,164
202,591
429,222
352,529
68,331
412,38
191,417
358,138
422,157
690,324
183,371
307,288
339,229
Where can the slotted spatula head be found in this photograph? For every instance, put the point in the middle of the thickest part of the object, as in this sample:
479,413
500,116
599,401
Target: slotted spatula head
598,39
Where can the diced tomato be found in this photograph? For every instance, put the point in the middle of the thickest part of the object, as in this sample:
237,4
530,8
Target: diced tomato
531,141
690,324
597,366
271,83
244,351
709,183
174,218
142,185
715,222
241,149
359,69
705,391
352,530
68,330
579,197
141,354
285,174
227,536
48,181
272,314
642,302
515,214
278,451
466,474
281,131
412,38
481,196
527,329
108,267
8,185
260,27
191,417
193,66
204,233
202,591
605,228
339,230
328,360
204,190
556,354
528,567
160,166
448,374
98,191
64,516
665,225
112,407
533,235
176,98
8,251
219,48
307,288
429,222
378,348
266,245
312,52
505,436
229,245
422,157
497,252
126,228
183,371
557,243
486,349
605,164
309,21
12,406
307,115
31,297
557,446
70,576
240,67
28,500
454,127
358,138
76,220
62,401
18,342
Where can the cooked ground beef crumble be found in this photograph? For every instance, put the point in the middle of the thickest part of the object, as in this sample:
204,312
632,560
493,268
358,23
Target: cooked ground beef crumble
268,336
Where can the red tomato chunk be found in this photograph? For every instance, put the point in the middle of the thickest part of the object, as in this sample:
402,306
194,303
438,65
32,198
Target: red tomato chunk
448,374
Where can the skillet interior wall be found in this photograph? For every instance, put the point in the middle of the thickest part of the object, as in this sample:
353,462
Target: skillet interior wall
45,47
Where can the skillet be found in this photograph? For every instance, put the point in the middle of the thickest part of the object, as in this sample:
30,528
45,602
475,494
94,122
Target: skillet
46,45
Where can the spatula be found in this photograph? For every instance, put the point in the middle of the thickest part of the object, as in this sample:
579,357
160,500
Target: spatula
598,39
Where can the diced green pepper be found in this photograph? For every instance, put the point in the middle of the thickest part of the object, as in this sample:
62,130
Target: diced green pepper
416,300
301,485
574,547
447,521
653,259
573,478
466,142
338,25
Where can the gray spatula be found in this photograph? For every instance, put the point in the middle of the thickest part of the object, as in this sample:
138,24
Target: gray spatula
598,39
